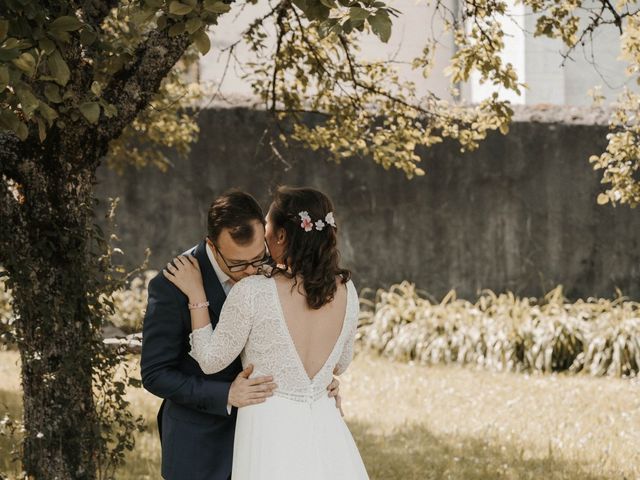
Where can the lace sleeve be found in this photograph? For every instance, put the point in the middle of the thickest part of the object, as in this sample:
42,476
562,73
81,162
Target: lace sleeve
215,349
352,317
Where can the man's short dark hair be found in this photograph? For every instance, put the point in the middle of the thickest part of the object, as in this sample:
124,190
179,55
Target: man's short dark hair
236,211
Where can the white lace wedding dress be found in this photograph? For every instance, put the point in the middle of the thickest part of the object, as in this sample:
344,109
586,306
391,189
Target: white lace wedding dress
298,434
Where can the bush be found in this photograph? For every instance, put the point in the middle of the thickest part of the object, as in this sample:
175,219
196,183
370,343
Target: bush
130,304
504,332
6,315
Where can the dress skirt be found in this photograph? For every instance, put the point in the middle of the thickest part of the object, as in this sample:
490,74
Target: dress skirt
284,439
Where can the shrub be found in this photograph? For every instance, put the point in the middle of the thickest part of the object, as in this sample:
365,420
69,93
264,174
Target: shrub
504,332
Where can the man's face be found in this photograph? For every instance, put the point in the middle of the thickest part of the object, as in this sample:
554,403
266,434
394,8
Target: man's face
228,253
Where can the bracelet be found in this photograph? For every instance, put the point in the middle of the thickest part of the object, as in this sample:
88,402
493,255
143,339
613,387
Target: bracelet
194,306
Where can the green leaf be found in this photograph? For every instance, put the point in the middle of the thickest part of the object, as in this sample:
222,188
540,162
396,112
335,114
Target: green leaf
177,8
4,77
216,6
42,130
110,110
63,37
357,13
4,29
143,16
58,67
381,25
52,92
176,29
202,41
96,88
90,111
325,27
26,63
47,45
8,119
11,42
162,22
88,36
317,12
193,24
6,55
329,3
47,112
22,131
28,100
65,24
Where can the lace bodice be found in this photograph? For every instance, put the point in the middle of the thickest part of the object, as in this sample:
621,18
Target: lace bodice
252,324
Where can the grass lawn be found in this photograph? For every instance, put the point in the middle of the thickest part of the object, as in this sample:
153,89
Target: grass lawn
415,422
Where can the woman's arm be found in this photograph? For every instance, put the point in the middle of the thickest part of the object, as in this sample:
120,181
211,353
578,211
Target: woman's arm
162,347
214,350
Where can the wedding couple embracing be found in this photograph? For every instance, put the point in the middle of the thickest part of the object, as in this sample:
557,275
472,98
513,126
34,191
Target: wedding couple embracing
267,295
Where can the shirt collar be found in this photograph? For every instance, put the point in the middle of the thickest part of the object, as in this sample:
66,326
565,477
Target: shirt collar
223,277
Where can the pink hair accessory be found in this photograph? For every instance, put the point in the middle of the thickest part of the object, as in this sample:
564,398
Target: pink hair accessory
308,224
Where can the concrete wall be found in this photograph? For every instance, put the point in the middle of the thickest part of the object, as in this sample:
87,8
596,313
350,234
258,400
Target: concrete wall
518,214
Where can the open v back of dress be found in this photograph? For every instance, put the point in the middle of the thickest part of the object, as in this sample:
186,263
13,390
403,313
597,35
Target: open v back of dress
314,334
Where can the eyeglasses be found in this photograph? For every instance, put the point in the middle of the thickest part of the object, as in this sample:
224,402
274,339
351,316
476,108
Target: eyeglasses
240,267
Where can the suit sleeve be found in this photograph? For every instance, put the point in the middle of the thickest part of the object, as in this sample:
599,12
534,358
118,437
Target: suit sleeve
163,337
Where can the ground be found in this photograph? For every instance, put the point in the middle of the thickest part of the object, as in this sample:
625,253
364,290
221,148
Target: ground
416,422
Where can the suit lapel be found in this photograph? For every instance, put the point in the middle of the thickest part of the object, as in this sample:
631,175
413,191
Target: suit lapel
212,286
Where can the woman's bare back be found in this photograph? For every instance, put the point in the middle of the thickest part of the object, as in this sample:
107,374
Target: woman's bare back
314,332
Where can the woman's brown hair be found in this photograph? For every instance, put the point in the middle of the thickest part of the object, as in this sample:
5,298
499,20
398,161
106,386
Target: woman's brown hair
312,255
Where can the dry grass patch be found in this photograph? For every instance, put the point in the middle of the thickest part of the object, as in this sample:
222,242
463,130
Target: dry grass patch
416,422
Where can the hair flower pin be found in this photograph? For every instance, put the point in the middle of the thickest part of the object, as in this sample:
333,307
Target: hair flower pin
308,224
330,220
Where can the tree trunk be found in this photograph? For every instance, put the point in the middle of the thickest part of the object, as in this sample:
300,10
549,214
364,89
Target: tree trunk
51,266
47,248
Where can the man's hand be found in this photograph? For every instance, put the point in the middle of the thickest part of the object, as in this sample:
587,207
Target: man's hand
334,391
245,391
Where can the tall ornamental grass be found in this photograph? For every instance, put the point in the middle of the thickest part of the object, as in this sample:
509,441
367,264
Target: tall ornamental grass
504,332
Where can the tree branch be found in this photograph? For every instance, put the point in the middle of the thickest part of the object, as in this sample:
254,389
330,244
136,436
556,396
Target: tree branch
131,89
281,33
618,19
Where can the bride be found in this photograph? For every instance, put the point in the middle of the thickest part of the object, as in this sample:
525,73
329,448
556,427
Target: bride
296,323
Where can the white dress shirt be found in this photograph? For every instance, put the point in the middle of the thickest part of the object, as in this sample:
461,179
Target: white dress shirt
225,280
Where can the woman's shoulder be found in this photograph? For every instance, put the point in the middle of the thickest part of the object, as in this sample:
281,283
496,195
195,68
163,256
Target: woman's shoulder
351,288
252,282
353,298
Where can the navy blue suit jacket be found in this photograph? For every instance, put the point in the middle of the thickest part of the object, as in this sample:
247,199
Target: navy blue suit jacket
196,430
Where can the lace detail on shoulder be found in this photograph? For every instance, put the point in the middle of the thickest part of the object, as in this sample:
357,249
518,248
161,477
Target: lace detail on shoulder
352,326
251,324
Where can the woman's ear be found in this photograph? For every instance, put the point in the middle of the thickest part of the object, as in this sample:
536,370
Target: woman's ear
281,236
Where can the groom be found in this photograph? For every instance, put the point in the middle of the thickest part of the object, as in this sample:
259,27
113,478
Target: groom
197,417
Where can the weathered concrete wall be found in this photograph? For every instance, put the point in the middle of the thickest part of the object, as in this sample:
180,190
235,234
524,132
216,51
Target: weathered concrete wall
518,214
